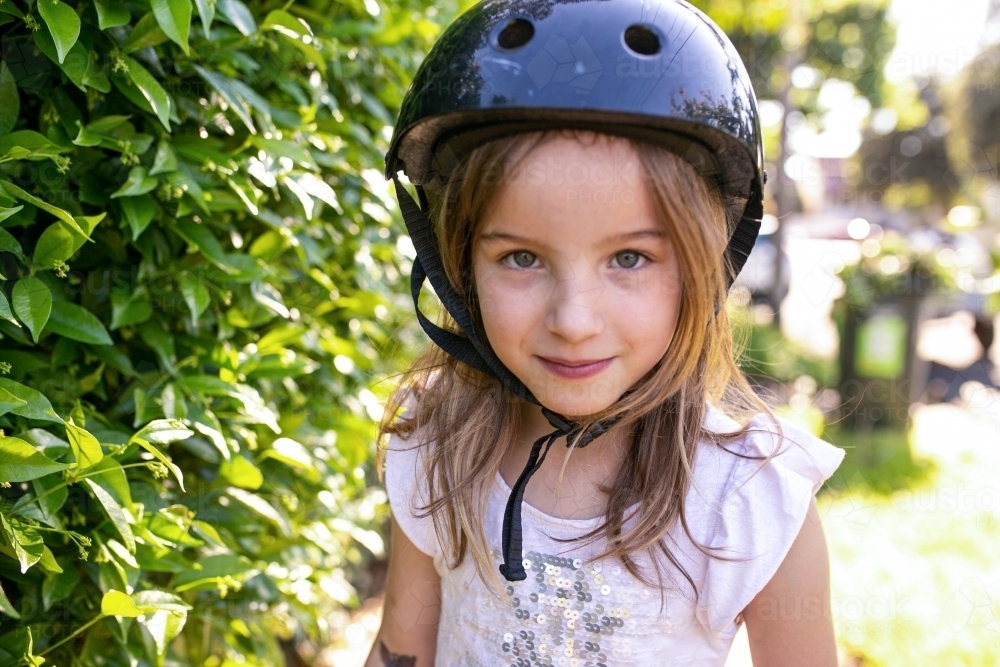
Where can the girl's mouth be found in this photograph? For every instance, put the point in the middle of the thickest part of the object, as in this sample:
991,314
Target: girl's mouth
575,370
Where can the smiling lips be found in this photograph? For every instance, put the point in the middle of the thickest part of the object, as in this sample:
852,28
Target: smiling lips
575,370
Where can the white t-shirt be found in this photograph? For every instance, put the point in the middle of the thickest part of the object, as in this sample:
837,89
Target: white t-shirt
571,613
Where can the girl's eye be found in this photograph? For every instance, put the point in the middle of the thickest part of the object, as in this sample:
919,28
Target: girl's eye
629,259
521,259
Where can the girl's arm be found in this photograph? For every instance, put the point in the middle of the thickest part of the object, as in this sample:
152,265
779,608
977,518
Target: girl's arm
789,623
408,636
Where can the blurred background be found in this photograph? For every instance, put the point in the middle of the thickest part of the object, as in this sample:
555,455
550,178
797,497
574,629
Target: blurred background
869,305
217,359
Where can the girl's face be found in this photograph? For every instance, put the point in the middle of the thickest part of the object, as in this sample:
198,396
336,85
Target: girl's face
577,280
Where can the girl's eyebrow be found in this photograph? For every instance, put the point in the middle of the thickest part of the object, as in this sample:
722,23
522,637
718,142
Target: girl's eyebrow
490,237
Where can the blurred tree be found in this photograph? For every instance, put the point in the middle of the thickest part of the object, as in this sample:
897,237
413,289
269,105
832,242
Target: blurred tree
791,48
911,167
980,103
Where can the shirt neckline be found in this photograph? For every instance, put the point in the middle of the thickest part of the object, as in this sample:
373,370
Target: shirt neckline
504,489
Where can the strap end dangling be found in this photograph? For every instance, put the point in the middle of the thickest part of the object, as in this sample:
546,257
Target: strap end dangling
514,573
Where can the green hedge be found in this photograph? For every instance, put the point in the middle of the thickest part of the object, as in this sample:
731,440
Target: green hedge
199,282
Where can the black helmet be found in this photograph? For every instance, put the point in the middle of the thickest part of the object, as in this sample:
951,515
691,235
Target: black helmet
658,71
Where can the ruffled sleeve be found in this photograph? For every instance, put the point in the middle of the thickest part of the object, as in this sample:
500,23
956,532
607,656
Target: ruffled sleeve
407,488
760,514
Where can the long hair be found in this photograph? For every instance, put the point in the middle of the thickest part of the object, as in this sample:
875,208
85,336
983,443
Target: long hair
467,421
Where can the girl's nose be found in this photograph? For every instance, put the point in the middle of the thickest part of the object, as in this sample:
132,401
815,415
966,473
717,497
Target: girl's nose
574,312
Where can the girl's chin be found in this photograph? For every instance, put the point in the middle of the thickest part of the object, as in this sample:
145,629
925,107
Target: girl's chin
578,399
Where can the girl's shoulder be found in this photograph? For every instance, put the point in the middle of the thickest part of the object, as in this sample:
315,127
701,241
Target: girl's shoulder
406,483
793,451
759,507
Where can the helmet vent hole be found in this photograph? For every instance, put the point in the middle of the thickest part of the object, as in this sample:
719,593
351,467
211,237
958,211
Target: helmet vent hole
642,40
515,34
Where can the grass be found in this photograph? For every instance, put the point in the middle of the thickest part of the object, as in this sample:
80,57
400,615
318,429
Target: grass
913,525
879,462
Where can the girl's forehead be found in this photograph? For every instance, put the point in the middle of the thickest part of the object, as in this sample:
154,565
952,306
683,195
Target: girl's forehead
570,202
582,151
565,173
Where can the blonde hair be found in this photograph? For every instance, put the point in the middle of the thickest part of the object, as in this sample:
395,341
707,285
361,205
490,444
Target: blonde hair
473,420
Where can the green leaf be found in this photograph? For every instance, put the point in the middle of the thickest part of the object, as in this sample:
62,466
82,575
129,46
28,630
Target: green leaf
162,457
32,303
20,462
106,124
75,63
63,23
86,449
9,401
160,341
260,506
165,615
6,607
165,160
290,453
242,473
116,603
130,308
57,244
206,10
5,313
139,212
195,295
174,17
138,183
77,323
267,296
114,512
28,544
39,146
7,242
58,586
164,431
208,532
114,357
95,77
50,498
111,14
10,100
227,91
205,422
311,53
202,237
172,524
283,148
282,21
151,89
15,191
238,14
212,569
111,476
146,33
11,8
121,553
59,241
37,406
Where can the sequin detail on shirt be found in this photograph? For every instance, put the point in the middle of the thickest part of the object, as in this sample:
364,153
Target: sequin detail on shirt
566,614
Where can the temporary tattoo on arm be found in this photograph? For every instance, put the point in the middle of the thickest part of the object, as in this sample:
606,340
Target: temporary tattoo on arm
390,659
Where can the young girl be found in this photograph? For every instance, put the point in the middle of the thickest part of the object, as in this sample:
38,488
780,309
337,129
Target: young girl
590,205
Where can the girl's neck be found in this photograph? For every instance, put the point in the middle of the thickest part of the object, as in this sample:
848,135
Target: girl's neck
577,495
534,425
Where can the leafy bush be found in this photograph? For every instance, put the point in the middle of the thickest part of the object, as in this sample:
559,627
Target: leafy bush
200,278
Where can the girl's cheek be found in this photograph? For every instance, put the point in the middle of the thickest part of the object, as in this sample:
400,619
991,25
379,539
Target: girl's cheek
509,290
658,282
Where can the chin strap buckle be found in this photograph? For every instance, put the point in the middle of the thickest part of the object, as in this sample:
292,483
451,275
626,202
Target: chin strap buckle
559,422
570,429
